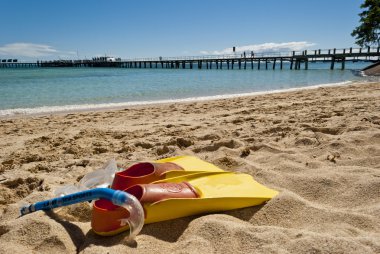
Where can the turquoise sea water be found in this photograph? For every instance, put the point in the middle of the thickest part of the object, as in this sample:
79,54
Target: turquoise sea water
43,90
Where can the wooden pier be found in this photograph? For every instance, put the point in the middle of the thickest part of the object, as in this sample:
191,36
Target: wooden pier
247,60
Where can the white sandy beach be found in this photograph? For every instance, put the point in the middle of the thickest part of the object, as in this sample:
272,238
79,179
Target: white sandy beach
320,148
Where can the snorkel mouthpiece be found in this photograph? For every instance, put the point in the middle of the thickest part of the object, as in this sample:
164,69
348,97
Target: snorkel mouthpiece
117,197
136,212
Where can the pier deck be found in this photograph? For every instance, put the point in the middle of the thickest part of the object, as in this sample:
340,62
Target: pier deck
240,61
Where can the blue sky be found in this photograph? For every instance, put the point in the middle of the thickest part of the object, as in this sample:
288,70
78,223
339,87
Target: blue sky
47,29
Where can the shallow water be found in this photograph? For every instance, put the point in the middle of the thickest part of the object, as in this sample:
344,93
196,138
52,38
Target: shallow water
59,89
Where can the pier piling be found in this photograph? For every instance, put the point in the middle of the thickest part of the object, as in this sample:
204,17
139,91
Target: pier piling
332,63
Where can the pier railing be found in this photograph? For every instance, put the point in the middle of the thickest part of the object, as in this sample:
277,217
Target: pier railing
248,54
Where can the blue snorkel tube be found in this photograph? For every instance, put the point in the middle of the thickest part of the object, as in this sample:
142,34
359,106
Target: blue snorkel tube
117,197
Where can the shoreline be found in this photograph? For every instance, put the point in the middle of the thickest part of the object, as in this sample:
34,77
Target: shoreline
81,108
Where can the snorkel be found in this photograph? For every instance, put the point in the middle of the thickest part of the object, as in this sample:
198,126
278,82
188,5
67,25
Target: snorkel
117,197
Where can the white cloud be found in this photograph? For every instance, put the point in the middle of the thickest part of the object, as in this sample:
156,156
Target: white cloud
30,50
265,47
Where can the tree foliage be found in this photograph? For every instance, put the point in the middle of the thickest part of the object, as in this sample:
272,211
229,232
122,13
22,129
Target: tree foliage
368,32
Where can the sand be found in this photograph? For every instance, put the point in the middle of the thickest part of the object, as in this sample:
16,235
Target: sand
320,148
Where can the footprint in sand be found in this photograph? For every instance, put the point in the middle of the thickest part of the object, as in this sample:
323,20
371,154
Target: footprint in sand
232,144
14,190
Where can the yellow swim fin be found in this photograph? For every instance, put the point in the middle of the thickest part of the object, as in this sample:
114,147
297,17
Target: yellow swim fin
147,172
183,196
212,193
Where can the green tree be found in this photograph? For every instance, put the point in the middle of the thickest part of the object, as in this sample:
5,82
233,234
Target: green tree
368,32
